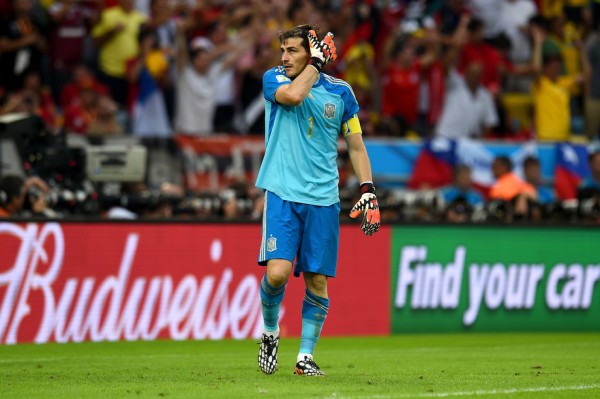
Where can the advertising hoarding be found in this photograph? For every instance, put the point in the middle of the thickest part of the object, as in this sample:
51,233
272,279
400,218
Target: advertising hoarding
495,278
72,282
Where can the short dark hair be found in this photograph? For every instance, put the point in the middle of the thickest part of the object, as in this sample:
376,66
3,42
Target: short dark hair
147,31
300,31
461,168
504,161
474,25
540,21
530,161
10,186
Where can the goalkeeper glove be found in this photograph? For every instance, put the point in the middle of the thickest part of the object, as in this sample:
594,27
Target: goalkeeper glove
367,205
321,52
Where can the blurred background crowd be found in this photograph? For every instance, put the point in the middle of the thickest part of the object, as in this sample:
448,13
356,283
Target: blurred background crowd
158,73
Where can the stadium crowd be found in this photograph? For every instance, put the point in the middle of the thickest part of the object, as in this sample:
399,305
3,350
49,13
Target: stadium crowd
155,70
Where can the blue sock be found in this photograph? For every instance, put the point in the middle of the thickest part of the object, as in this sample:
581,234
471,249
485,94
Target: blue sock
314,311
271,299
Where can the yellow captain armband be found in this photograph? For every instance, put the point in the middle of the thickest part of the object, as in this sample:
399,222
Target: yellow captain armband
352,126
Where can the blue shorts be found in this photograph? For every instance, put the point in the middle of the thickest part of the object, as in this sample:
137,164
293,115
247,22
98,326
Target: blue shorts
310,234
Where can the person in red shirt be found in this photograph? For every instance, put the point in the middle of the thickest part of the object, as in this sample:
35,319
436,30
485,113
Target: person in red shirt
83,79
33,99
70,25
401,84
83,111
476,50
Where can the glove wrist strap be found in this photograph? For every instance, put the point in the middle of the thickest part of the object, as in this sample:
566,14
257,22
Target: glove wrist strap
317,63
367,187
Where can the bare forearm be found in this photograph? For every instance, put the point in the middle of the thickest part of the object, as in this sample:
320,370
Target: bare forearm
359,159
182,51
134,73
103,38
8,45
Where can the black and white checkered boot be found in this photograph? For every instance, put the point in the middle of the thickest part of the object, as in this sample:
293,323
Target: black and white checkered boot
267,353
308,367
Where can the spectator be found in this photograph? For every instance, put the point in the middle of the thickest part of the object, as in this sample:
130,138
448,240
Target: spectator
225,93
196,83
460,199
360,71
401,83
400,87
83,79
511,189
106,122
595,6
550,92
588,192
515,20
250,117
22,41
462,187
467,94
169,195
593,181
92,113
592,103
82,110
116,35
37,100
195,105
163,20
12,195
477,51
71,21
532,172
566,37
488,11
23,197
450,16
543,25
147,74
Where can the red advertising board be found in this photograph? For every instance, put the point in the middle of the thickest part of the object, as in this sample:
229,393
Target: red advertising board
71,282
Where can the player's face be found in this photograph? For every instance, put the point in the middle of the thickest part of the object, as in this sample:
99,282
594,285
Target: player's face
293,57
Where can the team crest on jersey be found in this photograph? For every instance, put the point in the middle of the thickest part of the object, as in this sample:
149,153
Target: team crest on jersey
329,111
271,244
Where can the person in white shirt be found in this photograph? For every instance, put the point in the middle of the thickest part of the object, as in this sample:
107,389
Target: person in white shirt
469,109
515,19
196,76
489,12
198,73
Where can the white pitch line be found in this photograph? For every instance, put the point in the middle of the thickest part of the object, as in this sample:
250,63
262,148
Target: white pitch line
101,357
474,393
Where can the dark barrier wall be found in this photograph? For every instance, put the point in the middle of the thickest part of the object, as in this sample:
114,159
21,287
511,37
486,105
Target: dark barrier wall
128,281
495,279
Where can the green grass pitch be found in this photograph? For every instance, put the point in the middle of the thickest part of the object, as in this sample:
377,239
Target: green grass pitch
403,366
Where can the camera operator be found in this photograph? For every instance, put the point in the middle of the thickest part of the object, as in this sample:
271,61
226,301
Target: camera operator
24,197
460,199
138,201
588,192
510,192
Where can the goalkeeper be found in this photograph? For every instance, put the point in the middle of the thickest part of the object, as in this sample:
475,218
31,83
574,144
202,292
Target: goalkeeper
306,111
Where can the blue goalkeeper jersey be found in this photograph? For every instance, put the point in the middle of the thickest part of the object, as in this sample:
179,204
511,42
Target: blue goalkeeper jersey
301,142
